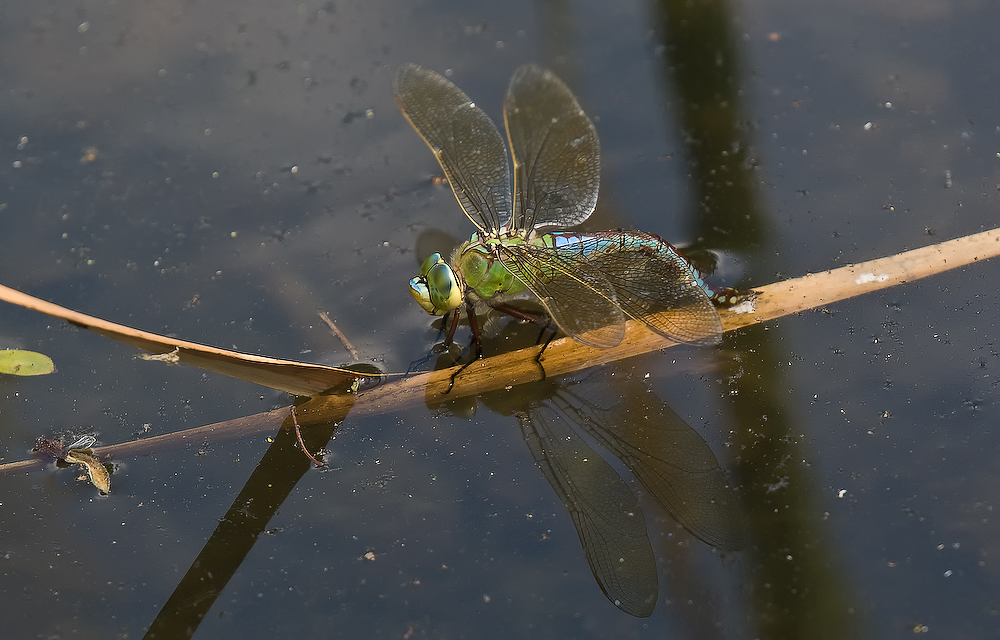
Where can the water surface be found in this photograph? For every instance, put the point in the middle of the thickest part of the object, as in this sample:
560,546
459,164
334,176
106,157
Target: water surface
221,172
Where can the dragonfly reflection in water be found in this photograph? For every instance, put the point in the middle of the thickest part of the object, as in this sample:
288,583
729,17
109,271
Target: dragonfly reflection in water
671,461
588,283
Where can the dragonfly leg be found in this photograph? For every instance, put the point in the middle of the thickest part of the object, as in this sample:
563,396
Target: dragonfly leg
465,365
455,317
477,336
552,336
475,348
541,320
451,381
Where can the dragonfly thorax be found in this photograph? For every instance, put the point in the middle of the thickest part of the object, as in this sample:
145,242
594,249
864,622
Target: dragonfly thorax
478,265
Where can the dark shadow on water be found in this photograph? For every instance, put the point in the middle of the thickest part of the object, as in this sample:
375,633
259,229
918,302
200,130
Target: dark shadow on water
270,484
795,588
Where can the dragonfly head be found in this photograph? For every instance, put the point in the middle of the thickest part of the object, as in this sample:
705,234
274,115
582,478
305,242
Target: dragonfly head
436,289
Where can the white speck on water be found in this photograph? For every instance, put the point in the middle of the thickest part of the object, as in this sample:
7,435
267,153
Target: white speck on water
868,126
780,484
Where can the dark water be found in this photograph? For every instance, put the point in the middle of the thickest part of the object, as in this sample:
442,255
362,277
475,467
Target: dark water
223,171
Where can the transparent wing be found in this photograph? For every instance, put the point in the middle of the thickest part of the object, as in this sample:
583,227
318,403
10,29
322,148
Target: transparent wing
464,140
555,149
671,460
575,294
604,510
654,284
591,286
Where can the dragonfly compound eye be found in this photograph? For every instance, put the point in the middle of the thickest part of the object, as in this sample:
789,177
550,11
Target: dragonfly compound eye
433,259
443,289
418,287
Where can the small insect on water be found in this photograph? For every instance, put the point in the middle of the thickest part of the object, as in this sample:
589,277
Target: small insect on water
79,452
589,284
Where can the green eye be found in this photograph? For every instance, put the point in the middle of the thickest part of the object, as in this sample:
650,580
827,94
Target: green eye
433,259
436,289
418,288
445,292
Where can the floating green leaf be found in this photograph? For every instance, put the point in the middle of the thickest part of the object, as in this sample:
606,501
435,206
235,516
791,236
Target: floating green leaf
25,363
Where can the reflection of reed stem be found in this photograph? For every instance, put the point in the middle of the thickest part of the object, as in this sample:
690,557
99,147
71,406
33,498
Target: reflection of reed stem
298,436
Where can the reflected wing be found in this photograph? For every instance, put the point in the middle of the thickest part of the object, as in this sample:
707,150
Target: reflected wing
671,460
604,510
556,152
464,140
575,293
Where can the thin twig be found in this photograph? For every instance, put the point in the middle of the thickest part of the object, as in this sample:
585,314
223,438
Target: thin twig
340,334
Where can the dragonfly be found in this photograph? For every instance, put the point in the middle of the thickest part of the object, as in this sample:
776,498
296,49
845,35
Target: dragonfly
589,284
